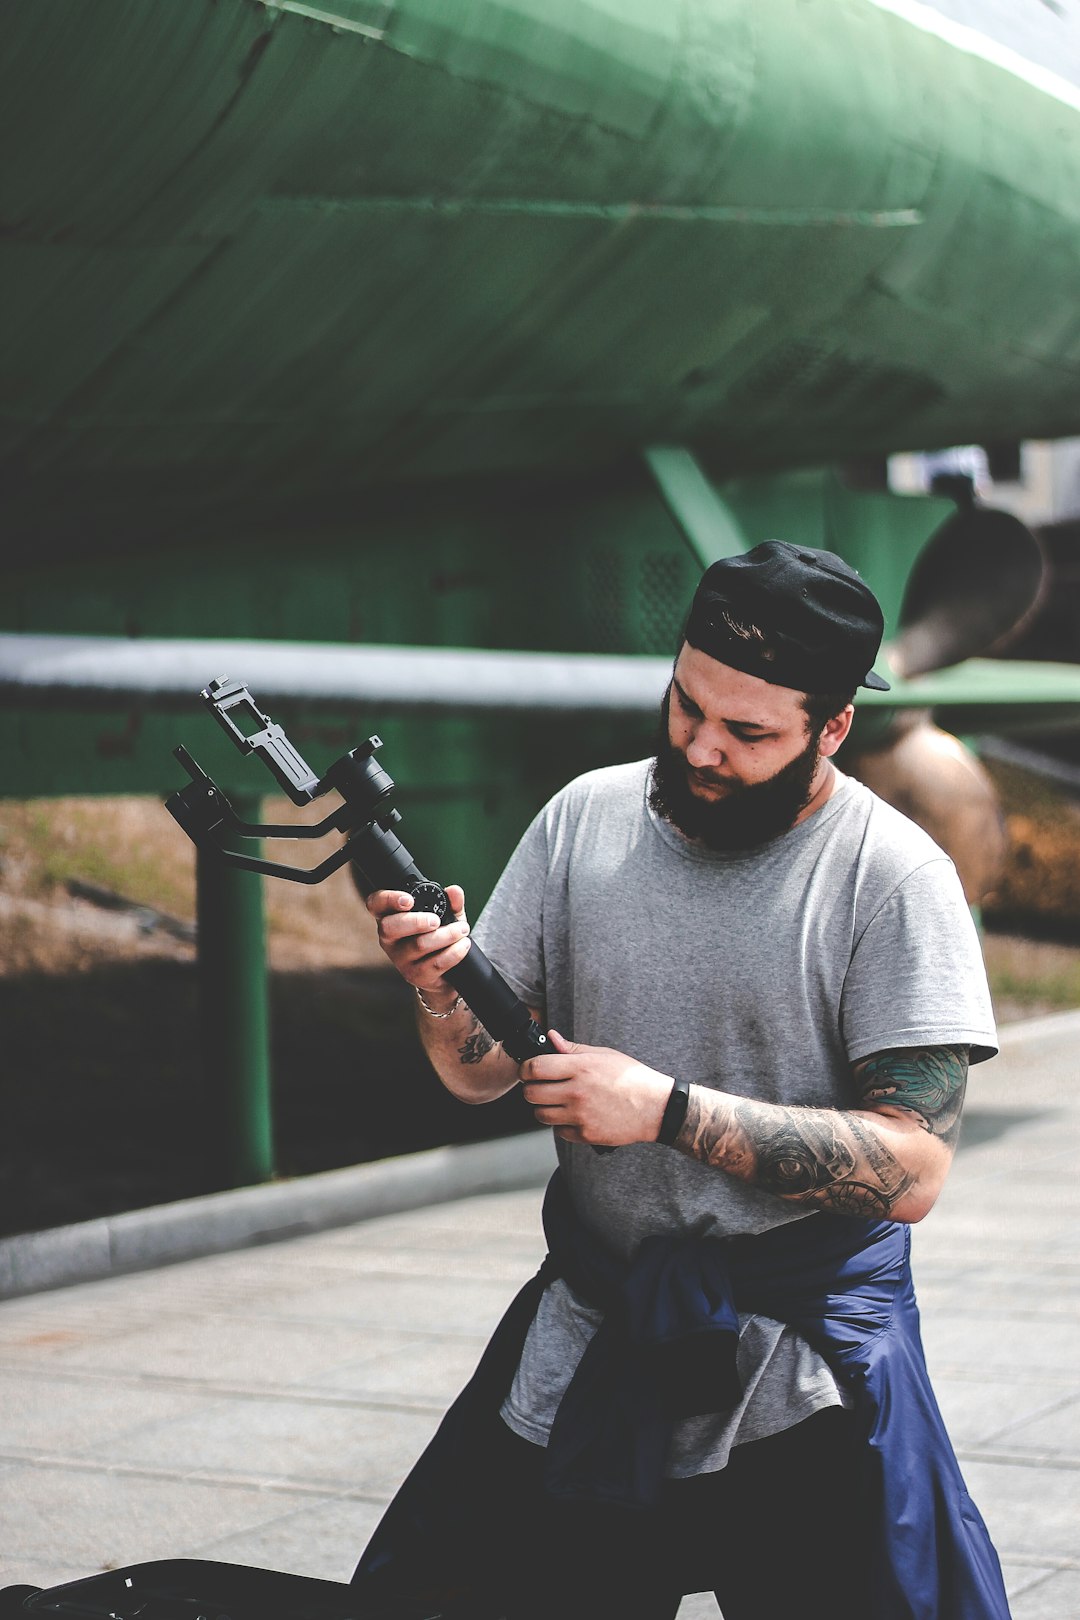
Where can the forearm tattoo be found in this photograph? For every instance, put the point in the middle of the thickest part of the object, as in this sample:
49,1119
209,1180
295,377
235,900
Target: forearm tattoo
477,1044
831,1157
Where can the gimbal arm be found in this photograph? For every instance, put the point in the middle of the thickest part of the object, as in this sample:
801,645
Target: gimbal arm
379,857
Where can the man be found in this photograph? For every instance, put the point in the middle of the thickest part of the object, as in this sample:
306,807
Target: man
774,989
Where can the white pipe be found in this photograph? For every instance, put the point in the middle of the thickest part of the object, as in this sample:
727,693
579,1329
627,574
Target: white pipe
99,671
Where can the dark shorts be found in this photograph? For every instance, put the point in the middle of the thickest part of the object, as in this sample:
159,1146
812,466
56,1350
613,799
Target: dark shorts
780,1531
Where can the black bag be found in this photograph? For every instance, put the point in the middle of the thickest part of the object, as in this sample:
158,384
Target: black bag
198,1589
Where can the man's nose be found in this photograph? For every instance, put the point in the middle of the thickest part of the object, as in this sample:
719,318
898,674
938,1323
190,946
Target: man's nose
706,748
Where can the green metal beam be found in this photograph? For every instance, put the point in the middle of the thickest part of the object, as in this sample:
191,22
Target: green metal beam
234,1005
706,523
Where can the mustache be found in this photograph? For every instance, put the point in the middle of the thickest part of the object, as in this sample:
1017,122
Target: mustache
708,778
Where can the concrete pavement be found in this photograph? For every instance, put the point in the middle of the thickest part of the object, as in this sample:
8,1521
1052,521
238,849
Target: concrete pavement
260,1406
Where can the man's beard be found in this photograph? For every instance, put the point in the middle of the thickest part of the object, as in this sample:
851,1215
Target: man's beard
748,815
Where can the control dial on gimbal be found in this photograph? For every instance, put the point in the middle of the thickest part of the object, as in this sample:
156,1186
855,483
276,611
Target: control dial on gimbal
431,897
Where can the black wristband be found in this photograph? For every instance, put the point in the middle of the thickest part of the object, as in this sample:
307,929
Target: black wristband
675,1112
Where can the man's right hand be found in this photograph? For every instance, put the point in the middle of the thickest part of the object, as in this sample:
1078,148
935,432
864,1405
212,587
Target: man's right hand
468,1061
417,946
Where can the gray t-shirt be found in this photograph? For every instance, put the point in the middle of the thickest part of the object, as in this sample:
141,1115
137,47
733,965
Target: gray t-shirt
766,973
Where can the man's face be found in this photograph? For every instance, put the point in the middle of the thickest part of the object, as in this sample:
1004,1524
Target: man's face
736,764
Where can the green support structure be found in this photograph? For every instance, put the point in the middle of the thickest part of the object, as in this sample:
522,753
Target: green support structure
234,1005
706,523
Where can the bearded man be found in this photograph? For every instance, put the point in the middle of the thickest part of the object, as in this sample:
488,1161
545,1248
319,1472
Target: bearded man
764,989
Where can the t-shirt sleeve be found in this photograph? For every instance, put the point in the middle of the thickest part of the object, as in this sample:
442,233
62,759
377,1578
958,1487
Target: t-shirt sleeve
917,976
509,930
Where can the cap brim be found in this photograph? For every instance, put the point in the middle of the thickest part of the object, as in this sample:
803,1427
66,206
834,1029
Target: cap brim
875,683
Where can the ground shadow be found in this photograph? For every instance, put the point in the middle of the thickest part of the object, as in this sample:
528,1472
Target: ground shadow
981,1125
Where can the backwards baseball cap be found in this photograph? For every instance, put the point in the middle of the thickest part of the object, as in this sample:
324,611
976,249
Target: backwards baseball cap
820,625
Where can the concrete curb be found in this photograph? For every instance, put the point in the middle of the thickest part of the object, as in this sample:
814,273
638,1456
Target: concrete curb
143,1238
140,1239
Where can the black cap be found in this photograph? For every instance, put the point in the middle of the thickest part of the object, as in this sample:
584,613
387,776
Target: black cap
821,625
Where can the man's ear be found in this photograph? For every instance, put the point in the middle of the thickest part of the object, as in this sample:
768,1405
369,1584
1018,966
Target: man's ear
834,731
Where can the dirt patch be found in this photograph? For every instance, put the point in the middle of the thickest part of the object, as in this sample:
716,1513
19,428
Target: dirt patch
1039,890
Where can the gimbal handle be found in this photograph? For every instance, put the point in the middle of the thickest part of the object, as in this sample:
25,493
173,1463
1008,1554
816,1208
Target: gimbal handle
383,862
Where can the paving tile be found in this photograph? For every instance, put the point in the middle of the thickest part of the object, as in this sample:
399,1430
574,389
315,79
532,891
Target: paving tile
431,1370
983,1412
507,1265
57,1414
89,1520
495,1214
999,1343
1056,1596
460,1305
324,1541
1029,1510
252,1352
1054,1434
334,1447
697,1606
38,1572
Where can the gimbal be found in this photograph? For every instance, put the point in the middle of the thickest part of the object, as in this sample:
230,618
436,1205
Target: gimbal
379,858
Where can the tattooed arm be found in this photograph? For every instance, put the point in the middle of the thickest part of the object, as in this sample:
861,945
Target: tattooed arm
886,1159
468,1062
464,1056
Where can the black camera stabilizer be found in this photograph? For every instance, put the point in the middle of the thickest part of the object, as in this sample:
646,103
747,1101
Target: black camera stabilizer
379,858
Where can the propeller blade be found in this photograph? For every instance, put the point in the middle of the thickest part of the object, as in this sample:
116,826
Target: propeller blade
974,585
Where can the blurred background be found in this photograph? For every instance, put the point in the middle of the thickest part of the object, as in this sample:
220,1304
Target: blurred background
409,362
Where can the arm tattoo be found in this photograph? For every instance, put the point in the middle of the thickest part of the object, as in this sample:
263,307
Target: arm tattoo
831,1157
928,1081
477,1044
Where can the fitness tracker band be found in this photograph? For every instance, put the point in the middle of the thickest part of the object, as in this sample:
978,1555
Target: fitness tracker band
675,1112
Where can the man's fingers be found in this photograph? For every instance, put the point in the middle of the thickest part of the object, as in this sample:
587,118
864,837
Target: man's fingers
407,924
443,960
426,943
541,1070
385,902
549,1116
547,1095
560,1042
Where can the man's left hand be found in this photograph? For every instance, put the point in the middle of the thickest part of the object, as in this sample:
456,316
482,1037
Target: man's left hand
593,1094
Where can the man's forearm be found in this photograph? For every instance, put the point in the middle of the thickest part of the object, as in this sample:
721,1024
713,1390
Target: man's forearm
836,1160
885,1162
467,1060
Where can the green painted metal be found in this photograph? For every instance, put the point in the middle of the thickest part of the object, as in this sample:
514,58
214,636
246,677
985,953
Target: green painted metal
989,695
234,1008
264,249
707,523
880,534
593,565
